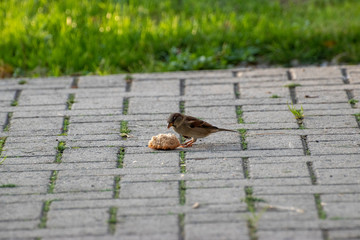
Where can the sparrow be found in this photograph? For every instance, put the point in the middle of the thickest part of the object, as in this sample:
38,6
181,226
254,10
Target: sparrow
191,127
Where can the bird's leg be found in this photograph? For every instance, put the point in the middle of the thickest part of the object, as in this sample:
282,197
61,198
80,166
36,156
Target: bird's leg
188,143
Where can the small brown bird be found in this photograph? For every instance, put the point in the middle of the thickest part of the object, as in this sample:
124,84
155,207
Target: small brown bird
191,127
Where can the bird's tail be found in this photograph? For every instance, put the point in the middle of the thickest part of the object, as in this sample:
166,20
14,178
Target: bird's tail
226,130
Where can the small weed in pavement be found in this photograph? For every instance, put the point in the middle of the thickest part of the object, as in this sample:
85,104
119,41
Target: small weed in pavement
239,114
14,103
70,101
112,219
275,96
242,132
22,82
60,149
8,186
292,85
319,206
353,101
124,130
120,156
182,162
357,116
44,213
298,113
128,78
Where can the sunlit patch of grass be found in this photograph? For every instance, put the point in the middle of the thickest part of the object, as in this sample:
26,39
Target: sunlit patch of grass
103,37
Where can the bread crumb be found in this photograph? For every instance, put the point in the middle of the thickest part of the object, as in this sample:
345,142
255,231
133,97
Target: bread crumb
164,142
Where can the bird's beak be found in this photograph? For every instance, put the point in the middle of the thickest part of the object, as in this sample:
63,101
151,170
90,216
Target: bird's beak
169,125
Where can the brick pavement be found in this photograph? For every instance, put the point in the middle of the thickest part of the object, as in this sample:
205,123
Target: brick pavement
74,172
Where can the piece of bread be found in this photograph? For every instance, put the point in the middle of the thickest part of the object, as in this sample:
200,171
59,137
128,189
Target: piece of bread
164,142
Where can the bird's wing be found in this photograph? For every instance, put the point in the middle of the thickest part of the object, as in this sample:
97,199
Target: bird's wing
195,122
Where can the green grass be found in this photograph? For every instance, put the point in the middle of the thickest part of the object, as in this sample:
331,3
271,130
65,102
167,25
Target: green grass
52,181
182,162
8,185
357,116
298,113
14,103
254,218
120,157
243,132
353,101
59,151
129,78
117,186
22,82
239,114
182,193
292,85
275,96
125,106
103,37
182,107
124,129
2,143
7,125
65,128
44,214
70,101
321,212
112,219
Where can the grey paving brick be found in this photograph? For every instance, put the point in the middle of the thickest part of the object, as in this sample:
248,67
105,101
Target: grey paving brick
6,95
31,148
331,122
338,176
211,112
344,234
296,235
109,81
83,183
158,87
98,103
347,210
216,231
351,197
318,96
52,99
273,142
144,105
334,147
281,170
193,218
261,92
314,72
90,155
94,128
151,160
259,117
143,225
60,233
149,189
20,211
77,218
33,124
24,178
19,225
150,200
214,195
285,225
223,89
120,203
